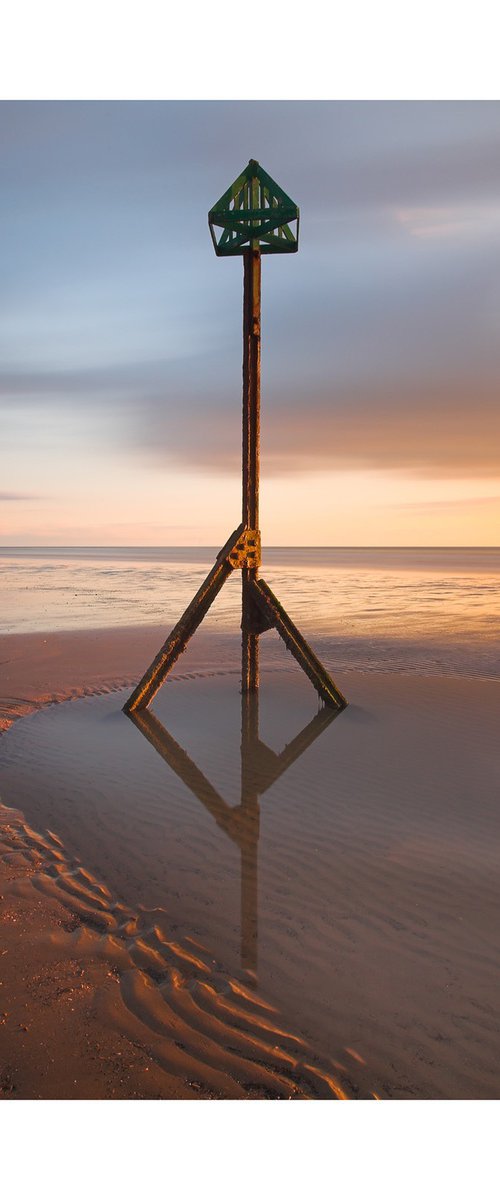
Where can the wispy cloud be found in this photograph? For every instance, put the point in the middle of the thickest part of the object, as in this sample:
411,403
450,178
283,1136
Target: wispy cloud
459,221
450,429
454,504
15,496
430,426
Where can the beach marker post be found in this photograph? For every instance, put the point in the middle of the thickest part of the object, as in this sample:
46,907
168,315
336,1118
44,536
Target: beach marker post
253,217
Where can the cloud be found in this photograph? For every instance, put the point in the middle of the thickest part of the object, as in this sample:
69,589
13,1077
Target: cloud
482,221
14,496
456,504
380,340
432,430
456,167
66,385
438,425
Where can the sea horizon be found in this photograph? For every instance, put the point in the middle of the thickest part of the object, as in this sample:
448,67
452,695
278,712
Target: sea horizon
430,609
203,546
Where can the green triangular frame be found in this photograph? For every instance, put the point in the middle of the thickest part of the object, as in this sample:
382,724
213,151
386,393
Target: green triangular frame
254,213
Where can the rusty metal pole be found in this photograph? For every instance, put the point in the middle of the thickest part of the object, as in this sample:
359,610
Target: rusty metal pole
251,449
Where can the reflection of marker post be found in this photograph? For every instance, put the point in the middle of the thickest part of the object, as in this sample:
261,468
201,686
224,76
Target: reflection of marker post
251,448
260,768
249,838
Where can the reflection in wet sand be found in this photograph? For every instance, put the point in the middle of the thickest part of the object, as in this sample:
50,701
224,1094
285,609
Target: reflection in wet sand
260,768
174,998
378,885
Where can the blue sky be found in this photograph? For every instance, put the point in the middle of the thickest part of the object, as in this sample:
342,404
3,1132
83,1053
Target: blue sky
120,331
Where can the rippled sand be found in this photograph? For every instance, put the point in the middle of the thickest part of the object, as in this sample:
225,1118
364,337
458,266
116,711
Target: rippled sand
292,904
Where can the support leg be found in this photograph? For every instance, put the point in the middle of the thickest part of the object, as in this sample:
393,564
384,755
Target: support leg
274,614
181,633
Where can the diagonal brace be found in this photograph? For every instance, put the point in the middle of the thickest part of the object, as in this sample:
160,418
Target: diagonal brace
276,616
187,625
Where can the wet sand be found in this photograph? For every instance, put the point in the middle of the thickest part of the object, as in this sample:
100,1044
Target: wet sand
291,907
45,668
37,669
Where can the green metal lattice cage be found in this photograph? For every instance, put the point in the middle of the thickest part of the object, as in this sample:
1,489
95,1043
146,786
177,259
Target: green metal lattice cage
254,213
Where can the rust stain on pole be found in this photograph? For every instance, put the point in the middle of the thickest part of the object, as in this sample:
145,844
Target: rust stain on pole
251,463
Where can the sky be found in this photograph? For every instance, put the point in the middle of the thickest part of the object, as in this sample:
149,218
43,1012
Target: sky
120,330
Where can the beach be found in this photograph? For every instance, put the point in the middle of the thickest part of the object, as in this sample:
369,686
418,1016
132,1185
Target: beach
245,902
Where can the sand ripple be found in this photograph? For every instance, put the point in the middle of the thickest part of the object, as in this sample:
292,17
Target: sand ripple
194,1020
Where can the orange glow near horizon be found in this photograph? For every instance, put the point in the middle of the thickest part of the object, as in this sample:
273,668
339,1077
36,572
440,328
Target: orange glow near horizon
323,508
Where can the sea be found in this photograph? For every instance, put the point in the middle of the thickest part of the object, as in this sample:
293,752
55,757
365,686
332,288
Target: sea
426,610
